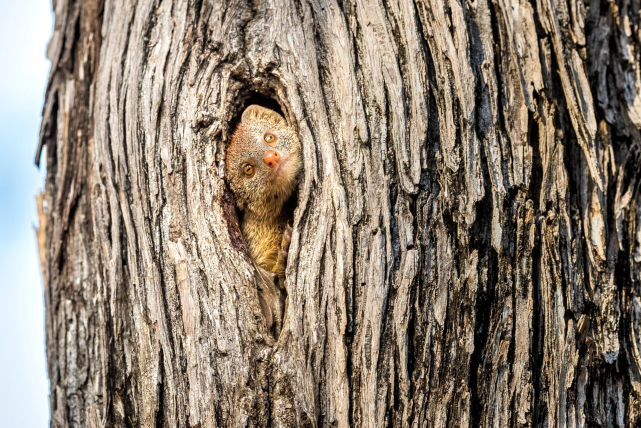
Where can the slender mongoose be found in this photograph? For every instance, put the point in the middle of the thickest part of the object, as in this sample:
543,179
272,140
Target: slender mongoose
262,165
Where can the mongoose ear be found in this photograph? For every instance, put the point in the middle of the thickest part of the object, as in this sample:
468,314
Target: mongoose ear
255,111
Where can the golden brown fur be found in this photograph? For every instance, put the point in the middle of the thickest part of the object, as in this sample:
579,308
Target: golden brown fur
261,196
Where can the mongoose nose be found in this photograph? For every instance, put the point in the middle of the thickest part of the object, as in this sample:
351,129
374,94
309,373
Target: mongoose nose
271,158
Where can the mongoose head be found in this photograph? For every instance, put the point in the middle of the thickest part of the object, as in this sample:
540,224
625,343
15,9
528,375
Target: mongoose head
263,161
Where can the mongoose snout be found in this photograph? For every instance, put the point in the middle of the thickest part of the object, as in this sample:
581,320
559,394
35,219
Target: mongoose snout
271,158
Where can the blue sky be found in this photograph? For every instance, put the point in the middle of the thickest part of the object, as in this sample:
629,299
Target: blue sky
25,27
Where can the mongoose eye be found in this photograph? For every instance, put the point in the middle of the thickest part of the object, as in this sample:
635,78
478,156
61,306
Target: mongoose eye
248,169
270,139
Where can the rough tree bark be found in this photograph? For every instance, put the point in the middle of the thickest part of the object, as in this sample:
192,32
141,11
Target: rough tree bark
467,240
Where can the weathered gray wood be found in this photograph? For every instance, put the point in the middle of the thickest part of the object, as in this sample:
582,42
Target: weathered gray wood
467,243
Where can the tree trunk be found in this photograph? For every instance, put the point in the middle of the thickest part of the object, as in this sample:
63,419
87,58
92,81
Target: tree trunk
467,240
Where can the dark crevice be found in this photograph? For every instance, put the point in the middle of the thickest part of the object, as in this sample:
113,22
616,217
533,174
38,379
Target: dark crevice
488,259
538,323
625,291
49,139
536,180
160,420
481,231
69,60
197,7
534,194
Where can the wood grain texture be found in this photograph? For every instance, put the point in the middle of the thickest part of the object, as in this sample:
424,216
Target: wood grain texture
467,241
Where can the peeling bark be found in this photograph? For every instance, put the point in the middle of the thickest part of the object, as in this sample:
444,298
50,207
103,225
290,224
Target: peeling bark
467,238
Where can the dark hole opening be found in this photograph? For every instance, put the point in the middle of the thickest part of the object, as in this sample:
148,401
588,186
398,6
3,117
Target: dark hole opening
261,100
272,302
